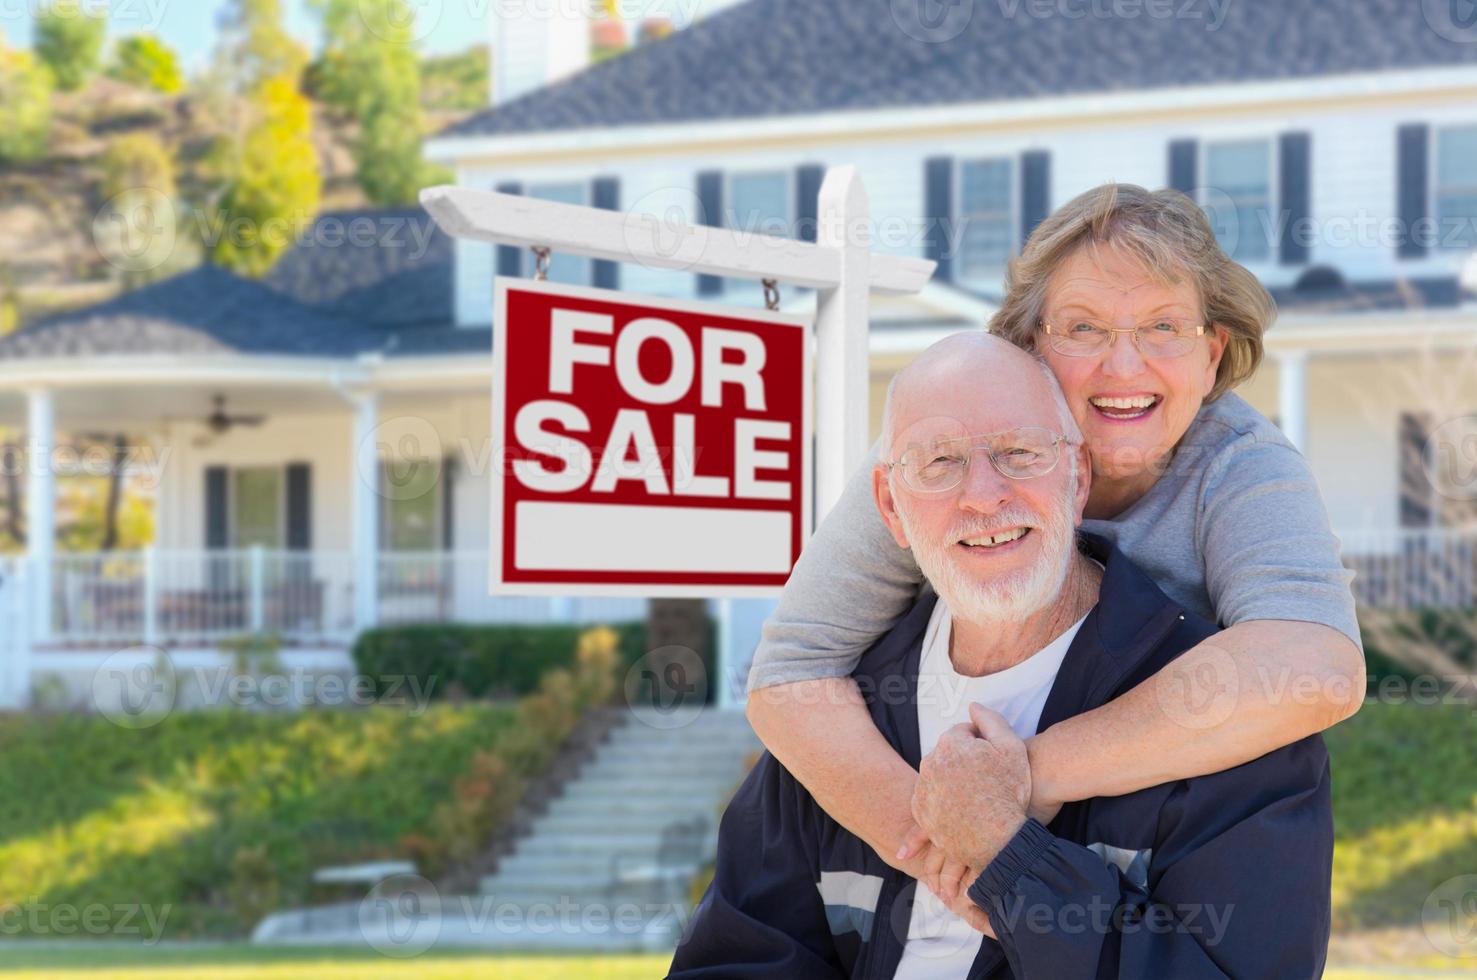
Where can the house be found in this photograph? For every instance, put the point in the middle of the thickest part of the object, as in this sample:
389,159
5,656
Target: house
321,438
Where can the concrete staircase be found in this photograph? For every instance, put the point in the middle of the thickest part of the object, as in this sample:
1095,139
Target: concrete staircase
589,875
597,852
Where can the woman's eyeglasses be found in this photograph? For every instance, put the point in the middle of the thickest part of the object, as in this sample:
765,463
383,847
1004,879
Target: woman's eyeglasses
1160,337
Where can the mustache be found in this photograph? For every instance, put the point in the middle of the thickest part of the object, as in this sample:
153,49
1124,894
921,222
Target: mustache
1006,518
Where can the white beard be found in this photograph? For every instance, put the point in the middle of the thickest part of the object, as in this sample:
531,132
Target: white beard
1011,598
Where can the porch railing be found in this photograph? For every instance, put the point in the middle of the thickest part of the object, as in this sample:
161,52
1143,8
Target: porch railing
1406,569
202,596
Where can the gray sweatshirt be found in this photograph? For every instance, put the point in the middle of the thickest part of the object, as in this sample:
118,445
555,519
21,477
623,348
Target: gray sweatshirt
1234,530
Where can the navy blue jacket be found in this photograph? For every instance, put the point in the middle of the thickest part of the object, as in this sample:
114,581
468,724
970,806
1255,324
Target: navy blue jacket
1227,875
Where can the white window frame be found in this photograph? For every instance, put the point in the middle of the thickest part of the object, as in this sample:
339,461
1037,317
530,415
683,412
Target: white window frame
232,540
438,532
1274,203
1433,188
992,277
791,219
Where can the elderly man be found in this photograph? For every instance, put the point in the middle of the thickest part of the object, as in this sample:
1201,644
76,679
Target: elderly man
1222,876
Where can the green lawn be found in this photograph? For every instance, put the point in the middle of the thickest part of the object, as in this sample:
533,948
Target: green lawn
237,962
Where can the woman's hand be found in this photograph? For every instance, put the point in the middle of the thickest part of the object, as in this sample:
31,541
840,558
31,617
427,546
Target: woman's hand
943,876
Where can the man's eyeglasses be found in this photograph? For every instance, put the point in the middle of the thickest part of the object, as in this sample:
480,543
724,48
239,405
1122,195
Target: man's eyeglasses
1019,454
1160,337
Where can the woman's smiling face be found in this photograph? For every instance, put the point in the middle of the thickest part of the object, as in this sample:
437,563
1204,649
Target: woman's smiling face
1133,410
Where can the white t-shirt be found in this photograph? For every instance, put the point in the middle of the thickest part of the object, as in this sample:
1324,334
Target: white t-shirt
942,946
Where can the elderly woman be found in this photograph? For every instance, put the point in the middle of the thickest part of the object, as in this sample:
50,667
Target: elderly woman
1148,325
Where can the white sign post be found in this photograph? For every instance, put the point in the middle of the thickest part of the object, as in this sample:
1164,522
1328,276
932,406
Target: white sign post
840,266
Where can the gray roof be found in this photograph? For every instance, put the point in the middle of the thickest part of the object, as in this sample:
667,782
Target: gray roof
767,58
391,268
362,281
205,311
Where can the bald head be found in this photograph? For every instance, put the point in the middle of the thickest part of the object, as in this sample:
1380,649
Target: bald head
971,383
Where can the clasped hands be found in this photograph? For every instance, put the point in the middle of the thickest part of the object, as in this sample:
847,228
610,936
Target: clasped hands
973,794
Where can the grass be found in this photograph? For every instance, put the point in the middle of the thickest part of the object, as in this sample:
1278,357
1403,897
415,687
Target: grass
1405,810
210,819
240,962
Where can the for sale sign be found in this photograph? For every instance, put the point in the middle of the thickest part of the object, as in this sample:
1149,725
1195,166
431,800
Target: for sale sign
649,446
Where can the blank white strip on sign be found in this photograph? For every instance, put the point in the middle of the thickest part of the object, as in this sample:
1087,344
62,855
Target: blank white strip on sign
625,538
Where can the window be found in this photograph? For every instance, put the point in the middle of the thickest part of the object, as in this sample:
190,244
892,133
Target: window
1456,188
573,270
410,517
1239,175
257,507
759,203
987,216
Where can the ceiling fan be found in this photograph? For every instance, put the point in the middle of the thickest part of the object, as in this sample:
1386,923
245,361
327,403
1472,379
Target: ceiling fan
219,422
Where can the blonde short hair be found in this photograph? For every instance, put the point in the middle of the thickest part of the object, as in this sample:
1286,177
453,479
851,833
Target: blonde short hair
1171,236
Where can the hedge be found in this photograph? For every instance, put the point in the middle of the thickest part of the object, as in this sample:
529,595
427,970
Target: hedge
486,660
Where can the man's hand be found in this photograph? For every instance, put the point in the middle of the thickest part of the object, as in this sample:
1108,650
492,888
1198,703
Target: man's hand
974,789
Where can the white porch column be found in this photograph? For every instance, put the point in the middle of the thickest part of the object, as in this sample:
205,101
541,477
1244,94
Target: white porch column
40,506
1292,397
364,506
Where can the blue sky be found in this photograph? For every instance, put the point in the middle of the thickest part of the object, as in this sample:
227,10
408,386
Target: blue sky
188,26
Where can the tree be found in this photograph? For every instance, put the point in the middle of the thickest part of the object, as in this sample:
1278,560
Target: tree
371,71
136,160
274,183
25,107
148,63
255,47
69,40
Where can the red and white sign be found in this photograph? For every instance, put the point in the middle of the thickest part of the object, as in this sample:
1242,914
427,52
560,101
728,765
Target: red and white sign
647,446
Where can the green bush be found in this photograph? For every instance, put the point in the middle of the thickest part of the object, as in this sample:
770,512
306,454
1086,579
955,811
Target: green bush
498,660
69,39
1407,642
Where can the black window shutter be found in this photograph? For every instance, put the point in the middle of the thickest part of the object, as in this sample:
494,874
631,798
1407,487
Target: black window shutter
1182,164
1296,196
938,211
1412,186
509,257
448,477
1035,191
299,506
1417,499
710,200
606,194
217,527
807,200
